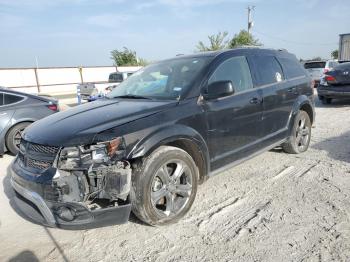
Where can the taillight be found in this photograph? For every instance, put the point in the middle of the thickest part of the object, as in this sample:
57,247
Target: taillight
53,107
330,78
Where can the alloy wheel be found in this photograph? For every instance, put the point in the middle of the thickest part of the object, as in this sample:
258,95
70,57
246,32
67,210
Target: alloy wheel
171,188
302,134
17,137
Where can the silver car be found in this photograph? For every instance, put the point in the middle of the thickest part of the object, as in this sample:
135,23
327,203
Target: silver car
17,111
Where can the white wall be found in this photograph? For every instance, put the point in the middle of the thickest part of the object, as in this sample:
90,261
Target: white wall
58,80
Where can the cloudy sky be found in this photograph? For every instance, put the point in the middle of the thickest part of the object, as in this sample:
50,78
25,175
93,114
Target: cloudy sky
83,32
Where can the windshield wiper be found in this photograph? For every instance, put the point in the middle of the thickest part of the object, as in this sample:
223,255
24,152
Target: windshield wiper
132,97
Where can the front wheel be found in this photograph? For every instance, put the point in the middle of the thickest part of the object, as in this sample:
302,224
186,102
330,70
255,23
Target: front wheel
299,140
164,186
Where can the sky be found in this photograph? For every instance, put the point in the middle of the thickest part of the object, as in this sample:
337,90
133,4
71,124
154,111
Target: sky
83,32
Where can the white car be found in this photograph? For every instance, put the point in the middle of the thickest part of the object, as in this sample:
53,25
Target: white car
317,69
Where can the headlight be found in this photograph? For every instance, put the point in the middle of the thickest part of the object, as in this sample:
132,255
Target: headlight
82,157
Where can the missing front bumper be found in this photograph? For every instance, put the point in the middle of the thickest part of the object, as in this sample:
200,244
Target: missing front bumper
64,215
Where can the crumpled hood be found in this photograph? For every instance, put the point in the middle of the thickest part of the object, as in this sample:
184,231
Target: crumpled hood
80,124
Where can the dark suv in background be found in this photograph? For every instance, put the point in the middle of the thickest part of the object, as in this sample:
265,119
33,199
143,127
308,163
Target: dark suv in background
163,131
335,84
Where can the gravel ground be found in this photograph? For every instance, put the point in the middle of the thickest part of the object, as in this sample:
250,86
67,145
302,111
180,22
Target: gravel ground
275,207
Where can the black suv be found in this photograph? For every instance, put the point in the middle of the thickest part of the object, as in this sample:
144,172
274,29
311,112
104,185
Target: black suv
166,129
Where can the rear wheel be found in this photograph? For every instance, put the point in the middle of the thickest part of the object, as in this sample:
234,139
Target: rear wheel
13,137
326,101
164,186
299,140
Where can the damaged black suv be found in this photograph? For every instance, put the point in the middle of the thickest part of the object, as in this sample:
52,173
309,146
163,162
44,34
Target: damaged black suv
166,129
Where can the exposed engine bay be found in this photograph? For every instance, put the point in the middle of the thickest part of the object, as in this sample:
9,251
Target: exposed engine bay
93,175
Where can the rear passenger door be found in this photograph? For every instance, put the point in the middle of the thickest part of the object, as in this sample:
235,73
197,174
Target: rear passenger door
234,122
6,113
278,95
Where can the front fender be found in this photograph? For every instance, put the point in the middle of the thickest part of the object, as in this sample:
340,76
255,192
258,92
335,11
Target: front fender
167,135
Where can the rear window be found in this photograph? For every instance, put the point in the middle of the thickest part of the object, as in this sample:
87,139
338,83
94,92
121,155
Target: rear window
292,68
311,65
268,69
343,66
11,99
1,99
116,77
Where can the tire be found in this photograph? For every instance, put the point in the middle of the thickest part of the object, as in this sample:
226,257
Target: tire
13,137
155,188
326,101
299,140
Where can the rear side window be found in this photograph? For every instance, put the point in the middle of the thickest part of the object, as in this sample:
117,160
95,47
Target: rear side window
1,99
268,69
292,68
11,99
235,69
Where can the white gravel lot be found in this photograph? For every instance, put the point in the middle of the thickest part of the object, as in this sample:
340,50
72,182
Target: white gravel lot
275,207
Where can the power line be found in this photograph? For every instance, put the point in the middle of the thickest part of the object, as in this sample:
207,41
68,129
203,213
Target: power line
293,42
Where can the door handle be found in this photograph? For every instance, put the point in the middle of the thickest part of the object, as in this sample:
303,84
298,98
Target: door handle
255,100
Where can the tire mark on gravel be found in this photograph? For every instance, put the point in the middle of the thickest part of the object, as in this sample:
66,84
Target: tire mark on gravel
229,222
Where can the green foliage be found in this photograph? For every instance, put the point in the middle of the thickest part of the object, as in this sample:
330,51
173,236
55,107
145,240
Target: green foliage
219,41
243,38
335,54
127,57
216,42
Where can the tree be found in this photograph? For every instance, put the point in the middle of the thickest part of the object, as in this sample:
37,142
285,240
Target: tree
216,42
335,54
127,57
243,38
316,58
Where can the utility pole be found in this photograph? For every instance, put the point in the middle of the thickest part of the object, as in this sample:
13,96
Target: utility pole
250,21
36,75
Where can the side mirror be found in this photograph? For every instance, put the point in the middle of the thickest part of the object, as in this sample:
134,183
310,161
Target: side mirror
219,89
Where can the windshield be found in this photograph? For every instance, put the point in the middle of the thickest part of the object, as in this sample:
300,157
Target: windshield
164,80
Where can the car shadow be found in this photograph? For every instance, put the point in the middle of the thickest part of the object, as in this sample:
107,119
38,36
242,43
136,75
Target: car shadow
24,256
337,147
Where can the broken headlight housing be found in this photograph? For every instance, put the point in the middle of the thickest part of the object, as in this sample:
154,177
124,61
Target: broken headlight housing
86,156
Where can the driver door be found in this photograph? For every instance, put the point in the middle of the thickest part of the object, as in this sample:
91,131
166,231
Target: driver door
235,121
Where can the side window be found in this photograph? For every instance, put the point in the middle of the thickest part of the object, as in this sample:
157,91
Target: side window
235,69
292,68
11,99
269,70
1,99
